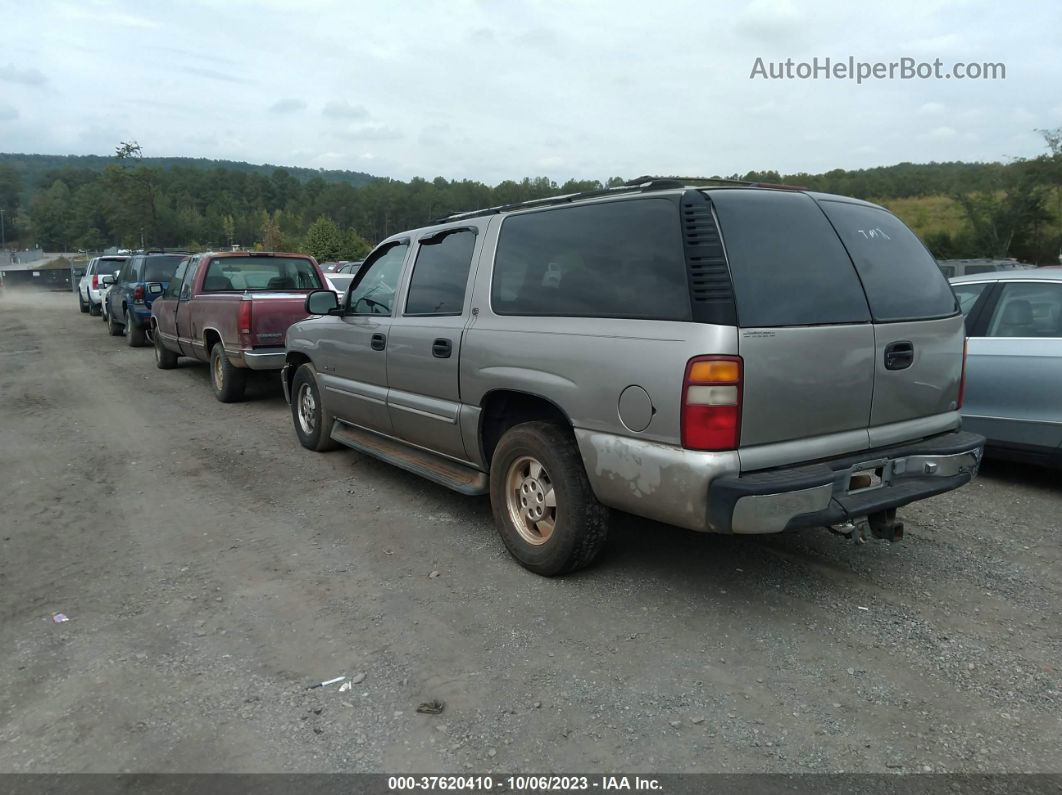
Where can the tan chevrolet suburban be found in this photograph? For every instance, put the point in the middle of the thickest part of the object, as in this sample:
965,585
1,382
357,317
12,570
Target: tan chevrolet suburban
730,359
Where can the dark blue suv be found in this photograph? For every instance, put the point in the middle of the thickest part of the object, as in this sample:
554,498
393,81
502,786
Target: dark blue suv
127,306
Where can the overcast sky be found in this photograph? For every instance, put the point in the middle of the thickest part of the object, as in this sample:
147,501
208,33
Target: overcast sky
497,89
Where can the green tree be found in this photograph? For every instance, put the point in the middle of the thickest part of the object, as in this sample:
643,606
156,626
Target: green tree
50,217
10,188
323,240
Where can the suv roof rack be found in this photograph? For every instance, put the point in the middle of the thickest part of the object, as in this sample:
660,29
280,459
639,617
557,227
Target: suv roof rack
638,185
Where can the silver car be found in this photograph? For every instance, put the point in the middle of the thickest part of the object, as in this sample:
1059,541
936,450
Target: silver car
1014,361
729,360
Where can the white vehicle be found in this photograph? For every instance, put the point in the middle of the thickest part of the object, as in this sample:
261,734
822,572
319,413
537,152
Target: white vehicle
91,288
339,282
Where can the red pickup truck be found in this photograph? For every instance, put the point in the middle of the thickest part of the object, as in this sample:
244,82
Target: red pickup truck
232,309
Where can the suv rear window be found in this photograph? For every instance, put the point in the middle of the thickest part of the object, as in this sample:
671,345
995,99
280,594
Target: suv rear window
160,269
787,265
260,273
900,276
614,259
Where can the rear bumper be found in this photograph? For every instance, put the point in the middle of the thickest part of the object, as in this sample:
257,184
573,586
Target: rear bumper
823,494
259,358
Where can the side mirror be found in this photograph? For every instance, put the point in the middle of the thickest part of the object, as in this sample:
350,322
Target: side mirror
322,302
106,280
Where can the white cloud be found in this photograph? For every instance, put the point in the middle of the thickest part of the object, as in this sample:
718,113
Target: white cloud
344,110
287,106
27,77
8,113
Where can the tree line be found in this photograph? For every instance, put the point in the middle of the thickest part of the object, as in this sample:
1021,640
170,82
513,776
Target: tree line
130,201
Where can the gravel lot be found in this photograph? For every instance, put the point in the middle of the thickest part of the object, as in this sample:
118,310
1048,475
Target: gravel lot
212,569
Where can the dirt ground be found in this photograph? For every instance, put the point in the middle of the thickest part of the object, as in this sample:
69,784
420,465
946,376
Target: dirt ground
211,569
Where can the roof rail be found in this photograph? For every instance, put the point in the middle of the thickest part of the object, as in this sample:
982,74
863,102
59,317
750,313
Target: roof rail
637,185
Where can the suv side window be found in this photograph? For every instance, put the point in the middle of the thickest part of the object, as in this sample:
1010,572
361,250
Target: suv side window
440,273
612,259
1028,309
125,273
373,291
788,266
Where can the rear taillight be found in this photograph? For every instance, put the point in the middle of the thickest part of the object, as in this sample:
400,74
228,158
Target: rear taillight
711,403
95,282
962,378
138,295
243,323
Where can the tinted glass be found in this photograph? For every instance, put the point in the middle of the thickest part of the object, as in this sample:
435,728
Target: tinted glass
129,270
376,282
901,278
174,287
948,270
1028,309
160,269
260,273
189,278
787,265
973,269
968,295
617,259
440,274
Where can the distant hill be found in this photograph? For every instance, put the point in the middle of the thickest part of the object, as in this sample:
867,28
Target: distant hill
32,168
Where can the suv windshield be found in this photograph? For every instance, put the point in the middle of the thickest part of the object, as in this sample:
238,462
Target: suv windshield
260,273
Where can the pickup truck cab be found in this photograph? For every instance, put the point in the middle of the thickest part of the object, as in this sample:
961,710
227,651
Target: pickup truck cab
232,309
127,305
726,359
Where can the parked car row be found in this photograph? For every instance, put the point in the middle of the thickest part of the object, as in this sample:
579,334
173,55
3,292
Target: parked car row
731,360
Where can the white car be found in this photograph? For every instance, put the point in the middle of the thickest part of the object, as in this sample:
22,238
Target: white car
91,288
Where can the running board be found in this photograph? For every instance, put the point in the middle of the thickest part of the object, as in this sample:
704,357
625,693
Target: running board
443,471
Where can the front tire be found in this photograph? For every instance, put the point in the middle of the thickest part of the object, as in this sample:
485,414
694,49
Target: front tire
544,508
228,380
165,359
313,423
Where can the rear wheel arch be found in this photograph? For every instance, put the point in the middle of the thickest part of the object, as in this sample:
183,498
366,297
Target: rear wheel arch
504,408
211,337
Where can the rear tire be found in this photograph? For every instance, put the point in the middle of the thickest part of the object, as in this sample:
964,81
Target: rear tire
93,309
114,328
84,307
228,380
165,359
544,508
134,336
313,423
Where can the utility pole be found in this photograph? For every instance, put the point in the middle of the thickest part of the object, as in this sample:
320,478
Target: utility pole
3,232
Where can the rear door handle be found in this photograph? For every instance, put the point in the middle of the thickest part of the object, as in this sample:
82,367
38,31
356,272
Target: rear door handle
899,355
379,342
442,348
